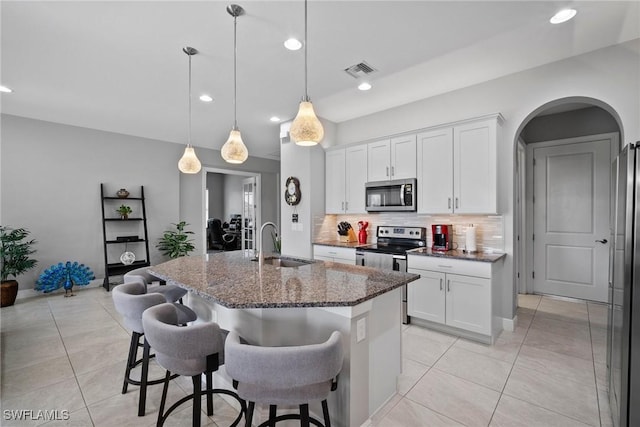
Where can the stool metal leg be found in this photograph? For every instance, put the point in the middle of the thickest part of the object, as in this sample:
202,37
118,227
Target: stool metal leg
197,394
163,400
131,360
143,378
272,415
304,415
249,415
325,412
209,376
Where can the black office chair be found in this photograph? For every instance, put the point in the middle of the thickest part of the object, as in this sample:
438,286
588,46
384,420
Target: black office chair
217,238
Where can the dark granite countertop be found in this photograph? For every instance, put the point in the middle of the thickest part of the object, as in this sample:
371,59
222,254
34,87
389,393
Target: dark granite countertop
458,254
233,280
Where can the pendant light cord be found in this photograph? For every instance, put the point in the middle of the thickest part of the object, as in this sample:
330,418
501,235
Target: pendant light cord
235,73
189,142
306,94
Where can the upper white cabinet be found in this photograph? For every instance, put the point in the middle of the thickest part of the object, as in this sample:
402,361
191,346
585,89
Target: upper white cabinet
457,168
346,174
393,158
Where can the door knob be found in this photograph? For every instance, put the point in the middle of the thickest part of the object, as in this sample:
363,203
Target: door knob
603,241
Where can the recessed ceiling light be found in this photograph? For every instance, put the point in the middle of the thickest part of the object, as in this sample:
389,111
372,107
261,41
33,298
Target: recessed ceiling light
275,119
563,16
364,86
5,89
206,98
292,44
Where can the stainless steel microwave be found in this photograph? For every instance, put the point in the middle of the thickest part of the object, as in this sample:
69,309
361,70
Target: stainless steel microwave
391,196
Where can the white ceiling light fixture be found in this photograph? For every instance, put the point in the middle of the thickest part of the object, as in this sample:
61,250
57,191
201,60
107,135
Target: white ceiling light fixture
206,98
189,162
5,89
275,119
563,16
234,151
292,44
306,129
364,86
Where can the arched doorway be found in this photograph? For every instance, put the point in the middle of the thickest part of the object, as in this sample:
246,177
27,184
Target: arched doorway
563,153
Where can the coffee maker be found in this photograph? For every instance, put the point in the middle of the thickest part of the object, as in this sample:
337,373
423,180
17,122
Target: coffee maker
442,235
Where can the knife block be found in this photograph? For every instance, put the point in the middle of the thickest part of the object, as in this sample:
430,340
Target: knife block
351,237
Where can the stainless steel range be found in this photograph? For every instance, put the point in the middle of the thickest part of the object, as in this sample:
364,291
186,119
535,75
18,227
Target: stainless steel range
390,252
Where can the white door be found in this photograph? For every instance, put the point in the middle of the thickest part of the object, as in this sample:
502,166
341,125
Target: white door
356,174
403,157
335,181
435,171
425,297
571,219
378,159
249,220
469,303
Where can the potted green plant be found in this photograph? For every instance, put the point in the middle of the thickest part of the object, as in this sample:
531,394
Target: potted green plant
176,243
15,259
124,211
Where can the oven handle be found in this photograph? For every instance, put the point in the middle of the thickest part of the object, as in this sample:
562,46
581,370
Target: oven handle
400,263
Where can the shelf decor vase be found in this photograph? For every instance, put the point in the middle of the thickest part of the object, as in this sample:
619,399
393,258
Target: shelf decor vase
122,193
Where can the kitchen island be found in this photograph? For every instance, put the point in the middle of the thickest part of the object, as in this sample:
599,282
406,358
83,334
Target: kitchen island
301,302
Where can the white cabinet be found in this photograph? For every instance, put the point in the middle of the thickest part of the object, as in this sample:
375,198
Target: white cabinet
346,174
457,168
455,293
393,158
334,254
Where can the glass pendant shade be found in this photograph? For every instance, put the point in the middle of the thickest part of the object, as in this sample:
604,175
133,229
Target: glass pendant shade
189,162
306,129
234,150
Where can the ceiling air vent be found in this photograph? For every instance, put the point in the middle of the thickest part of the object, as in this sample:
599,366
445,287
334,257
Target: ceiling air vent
359,70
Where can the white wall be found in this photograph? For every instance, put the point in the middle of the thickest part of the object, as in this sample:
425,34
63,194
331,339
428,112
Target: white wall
610,75
232,195
215,185
51,174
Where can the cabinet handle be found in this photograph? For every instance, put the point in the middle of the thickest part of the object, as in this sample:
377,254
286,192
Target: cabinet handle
449,203
342,208
440,284
387,170
444,266
346,206
448,285
393,171
457,203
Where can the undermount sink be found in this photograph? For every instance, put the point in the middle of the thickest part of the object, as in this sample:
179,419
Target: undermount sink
285,262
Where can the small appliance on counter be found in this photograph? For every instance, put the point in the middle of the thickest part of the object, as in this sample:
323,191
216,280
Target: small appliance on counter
346,233
362,233
442,235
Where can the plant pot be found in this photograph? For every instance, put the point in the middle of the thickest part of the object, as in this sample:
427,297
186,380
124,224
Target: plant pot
9,292
124,216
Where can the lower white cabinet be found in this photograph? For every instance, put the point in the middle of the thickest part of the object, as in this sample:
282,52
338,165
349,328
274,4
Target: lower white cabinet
455,293
334,254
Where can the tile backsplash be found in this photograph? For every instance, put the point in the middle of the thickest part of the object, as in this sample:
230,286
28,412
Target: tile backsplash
489,228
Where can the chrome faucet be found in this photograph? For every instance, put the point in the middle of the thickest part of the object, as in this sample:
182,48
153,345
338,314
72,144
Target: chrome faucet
261,252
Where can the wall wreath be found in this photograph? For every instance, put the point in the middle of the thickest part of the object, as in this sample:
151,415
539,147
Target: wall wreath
292,194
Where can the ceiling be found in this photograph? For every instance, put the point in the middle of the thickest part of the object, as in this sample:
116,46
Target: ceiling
118,66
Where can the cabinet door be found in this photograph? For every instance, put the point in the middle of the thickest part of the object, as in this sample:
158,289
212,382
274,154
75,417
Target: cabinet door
335,181
435,171
379,160
356,173
426,296
475,184
468,303
403,157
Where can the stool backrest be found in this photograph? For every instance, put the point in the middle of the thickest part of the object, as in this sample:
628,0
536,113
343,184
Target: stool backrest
131,300
139,274
282,367
195,341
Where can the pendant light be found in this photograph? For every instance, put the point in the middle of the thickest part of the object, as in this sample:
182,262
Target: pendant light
306,129
189,162
234,150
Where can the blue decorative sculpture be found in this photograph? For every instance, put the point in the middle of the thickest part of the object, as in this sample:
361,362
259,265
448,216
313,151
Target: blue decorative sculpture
64,275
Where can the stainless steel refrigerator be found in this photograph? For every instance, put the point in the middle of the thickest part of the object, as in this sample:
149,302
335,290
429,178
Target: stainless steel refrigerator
624,296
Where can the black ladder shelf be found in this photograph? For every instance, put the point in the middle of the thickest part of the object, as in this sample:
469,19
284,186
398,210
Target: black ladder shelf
112,224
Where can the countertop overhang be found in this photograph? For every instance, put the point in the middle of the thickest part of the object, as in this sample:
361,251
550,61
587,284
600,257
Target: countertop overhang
233,280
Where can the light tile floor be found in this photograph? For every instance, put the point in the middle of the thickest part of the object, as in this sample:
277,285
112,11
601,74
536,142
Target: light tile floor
68,354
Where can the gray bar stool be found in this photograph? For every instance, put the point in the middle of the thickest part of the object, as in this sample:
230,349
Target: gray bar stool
131,300
172,293
189,351
293,375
